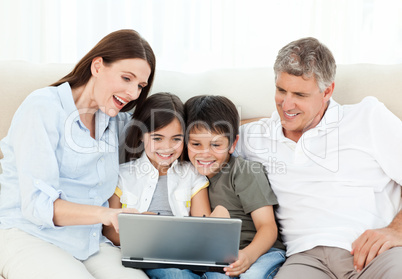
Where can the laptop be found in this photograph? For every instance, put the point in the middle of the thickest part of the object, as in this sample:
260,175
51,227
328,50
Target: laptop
196,243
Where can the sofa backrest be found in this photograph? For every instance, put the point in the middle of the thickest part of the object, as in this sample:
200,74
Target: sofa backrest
252,90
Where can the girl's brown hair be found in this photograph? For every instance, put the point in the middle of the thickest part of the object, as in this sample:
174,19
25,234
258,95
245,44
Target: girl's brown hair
158,111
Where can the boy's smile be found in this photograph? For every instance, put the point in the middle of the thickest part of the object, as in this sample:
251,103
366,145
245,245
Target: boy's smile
208,151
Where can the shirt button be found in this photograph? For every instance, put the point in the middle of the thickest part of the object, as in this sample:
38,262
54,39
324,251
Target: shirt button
94,234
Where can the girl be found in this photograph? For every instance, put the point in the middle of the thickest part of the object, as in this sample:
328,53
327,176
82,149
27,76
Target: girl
155,179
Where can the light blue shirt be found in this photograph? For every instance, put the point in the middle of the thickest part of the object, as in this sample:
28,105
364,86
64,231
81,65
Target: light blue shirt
49,154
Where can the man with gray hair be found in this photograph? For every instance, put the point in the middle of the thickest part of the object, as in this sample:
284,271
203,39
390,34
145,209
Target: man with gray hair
336,171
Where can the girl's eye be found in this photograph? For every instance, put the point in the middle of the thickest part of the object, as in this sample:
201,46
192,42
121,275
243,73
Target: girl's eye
156,139
177,139
140,87
126,78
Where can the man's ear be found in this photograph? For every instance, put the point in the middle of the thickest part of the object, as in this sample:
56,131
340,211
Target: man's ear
232,148
328,91
96,64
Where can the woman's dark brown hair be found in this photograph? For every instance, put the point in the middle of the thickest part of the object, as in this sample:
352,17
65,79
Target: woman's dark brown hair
118,45
158,111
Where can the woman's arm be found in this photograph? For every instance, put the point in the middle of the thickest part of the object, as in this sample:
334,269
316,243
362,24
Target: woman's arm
71,214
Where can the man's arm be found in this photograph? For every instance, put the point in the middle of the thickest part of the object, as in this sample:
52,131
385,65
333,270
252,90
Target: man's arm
374,242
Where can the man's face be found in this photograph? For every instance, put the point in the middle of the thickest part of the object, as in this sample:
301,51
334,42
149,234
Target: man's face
300,103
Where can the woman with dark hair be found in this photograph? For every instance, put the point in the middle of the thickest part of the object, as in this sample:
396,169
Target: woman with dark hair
61,165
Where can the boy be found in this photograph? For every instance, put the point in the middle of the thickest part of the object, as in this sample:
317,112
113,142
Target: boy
238,185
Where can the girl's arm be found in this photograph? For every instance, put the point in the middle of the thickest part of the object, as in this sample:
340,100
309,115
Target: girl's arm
264,222
200,204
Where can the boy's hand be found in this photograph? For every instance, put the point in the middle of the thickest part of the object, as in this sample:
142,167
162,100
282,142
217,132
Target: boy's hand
240,266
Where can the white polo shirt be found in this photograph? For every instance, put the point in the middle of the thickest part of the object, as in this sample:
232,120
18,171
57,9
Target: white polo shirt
138,179
340,179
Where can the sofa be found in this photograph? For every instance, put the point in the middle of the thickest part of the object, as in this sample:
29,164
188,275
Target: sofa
251,89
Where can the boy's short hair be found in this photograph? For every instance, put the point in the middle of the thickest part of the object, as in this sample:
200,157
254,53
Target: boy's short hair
216,114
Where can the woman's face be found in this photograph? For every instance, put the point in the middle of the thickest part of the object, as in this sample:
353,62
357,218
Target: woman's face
118,83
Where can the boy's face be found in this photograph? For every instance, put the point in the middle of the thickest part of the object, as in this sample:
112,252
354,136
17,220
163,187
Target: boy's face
209,152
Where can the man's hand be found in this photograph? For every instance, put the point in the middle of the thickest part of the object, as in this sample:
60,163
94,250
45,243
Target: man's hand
240,266
372,243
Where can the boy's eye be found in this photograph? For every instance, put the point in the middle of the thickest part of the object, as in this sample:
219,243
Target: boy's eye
195,144
215,145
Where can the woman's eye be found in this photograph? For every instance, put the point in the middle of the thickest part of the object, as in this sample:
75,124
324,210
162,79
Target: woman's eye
140,87
126,78
177,139
156,139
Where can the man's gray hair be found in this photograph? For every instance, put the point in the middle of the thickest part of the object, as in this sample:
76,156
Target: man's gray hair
307,58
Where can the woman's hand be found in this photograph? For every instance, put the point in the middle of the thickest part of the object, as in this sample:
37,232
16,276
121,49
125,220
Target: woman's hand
109,218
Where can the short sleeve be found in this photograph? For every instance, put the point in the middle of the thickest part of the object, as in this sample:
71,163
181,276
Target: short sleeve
252,185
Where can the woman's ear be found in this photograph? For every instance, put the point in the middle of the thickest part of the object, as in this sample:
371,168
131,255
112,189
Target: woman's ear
232,148
96,65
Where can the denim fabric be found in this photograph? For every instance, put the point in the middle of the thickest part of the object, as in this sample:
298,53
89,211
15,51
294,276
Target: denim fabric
265,267
160,273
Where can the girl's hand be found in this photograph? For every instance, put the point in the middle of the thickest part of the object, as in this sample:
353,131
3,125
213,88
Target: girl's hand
240,266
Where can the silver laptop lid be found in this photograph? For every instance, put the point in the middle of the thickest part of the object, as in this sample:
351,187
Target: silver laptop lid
186,239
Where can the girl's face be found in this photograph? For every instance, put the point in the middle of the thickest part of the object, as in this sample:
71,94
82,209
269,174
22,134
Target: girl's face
118,83
164,146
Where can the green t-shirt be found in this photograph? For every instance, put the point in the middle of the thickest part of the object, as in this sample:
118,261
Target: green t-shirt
242,186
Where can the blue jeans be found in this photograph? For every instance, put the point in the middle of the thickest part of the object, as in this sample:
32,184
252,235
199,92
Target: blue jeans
265,267
159,273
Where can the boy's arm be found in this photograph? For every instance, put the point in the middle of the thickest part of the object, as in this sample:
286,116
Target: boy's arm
264,222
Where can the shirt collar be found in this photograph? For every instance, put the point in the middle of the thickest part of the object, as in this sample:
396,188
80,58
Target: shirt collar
66,98
142,166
